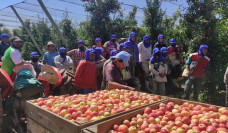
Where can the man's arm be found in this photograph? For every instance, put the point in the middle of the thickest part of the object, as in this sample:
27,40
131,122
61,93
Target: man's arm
113,85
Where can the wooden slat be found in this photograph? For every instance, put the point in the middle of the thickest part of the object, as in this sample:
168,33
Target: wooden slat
50,121
34,127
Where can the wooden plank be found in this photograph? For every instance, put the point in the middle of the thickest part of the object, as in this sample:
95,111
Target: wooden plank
105,126
33,127
49,120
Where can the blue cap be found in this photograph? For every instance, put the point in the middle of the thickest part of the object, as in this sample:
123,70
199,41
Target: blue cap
123,56
4,35
80,41
97,40
34,54
113,52
112,36
172,41
122,45
163,49
98,50
132,34
62,49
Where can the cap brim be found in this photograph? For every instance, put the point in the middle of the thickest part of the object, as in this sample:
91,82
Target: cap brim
17,40
125,63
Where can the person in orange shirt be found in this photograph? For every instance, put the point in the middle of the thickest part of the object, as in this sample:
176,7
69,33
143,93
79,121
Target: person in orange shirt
85,75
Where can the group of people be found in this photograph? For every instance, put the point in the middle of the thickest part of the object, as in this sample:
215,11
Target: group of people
114,65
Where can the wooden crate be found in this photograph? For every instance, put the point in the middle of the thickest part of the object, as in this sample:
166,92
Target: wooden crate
50,122
105,126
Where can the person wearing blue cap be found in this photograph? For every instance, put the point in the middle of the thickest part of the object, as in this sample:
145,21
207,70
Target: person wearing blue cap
160,42
78,54
134,51
175,61
112,72
34,56
196,65
4,44
62,61
145,52
158,69
112,44
85,75
49,56
104,50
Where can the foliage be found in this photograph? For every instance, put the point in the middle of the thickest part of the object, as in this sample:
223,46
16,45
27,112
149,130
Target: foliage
153,18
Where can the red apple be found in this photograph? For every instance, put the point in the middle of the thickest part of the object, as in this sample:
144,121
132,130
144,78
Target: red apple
123,128
147,110
211,129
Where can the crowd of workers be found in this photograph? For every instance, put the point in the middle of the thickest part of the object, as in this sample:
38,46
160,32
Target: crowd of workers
115,65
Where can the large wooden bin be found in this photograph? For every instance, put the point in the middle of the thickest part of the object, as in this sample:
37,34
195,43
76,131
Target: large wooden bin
106,126
43,121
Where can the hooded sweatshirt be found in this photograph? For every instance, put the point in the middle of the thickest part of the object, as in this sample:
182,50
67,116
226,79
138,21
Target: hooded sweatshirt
202,64
144,50
85,75
110,45
159,44
133,47
156,64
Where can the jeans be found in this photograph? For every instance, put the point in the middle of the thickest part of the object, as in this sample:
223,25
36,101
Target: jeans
194,82
86,91
160,86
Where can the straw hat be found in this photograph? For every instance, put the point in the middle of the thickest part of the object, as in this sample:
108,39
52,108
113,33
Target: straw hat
50,74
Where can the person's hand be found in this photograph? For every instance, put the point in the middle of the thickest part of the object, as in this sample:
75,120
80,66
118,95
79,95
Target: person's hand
162,75
44,62
131,88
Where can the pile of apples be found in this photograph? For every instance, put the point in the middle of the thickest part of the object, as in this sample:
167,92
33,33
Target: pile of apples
173,118
94,106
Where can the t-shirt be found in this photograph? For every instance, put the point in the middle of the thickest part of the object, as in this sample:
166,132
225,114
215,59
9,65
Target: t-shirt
200,67
111,73
11,58
144,53
49,58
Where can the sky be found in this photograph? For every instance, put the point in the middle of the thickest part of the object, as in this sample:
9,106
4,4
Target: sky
30,9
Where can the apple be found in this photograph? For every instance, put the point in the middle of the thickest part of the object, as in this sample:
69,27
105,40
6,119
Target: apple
211,129
186,120
127,123
63,112
163,130
144,125
123,128
147,110
202,127
132,129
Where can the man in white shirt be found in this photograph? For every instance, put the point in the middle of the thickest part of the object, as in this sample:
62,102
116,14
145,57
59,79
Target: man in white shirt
62,60
144,57
12,61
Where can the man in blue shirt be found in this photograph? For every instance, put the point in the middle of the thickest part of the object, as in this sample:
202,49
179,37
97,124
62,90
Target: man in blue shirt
49,56
4,44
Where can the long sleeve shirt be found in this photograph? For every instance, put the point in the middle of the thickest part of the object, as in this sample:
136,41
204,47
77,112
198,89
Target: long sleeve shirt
66,63
144,53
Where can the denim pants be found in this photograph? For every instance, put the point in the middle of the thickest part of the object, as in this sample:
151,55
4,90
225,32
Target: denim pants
195,84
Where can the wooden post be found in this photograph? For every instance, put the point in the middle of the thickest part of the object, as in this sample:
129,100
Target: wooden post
27,30
53,23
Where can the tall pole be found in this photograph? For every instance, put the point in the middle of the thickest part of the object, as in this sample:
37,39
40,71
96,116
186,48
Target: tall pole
27,30
52,22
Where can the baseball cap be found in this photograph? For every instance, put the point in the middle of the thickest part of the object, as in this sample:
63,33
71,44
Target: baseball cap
15,38
34,54
123,56
81,41
4,35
